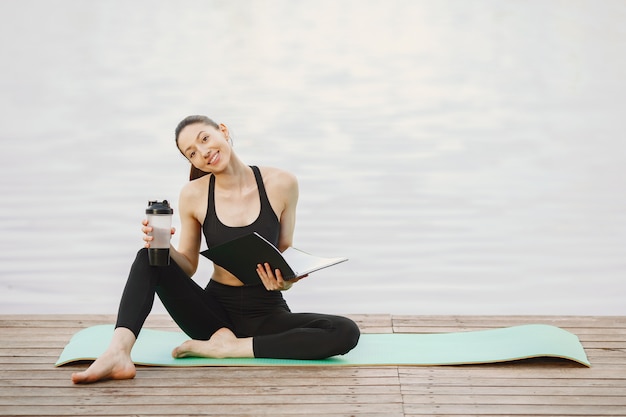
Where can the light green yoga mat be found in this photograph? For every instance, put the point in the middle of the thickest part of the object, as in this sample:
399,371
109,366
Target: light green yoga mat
154,347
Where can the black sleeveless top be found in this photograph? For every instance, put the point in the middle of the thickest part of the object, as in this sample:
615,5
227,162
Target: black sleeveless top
266,224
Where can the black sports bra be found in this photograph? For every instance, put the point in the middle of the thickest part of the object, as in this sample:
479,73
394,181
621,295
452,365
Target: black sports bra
266,224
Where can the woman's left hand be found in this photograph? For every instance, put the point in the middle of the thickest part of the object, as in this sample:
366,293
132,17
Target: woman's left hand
273,280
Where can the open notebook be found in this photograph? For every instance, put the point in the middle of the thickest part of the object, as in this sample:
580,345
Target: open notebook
241,256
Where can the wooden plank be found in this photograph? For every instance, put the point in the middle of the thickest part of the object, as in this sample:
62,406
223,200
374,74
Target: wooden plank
205,398
512,388
174,414
463,323
224,409
523,373
63,380
227,372
159,320
100,390
490,321
512,410
519,399
472,382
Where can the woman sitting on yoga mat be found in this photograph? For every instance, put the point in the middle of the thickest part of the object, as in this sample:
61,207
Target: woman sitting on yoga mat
224,199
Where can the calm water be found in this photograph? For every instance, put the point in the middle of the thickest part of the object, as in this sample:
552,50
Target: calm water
467,156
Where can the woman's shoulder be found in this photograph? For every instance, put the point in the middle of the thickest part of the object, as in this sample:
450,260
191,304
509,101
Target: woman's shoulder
277,177
195,187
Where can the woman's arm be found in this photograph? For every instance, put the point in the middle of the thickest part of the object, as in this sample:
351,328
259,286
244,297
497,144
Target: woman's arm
187,254
282,191
288,185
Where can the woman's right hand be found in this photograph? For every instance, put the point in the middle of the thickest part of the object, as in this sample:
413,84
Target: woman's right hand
147,229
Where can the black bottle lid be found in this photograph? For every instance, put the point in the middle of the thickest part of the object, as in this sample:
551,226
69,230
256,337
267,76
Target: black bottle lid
159,207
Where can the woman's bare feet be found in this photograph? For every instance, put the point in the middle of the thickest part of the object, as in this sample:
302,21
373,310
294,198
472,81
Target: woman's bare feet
107,366
223,344
115,362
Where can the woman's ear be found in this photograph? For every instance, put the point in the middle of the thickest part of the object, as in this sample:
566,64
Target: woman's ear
224,129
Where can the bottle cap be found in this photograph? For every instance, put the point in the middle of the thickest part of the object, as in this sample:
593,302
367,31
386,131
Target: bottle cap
159,207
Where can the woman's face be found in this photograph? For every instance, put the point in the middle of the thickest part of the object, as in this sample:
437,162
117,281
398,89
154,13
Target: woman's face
205,146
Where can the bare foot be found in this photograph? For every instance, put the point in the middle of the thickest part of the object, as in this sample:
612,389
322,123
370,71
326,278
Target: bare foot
115,362
223,344
111,365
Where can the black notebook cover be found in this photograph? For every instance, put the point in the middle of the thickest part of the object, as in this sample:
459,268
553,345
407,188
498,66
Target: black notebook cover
241,256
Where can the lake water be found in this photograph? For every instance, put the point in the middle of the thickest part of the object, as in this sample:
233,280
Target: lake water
468,157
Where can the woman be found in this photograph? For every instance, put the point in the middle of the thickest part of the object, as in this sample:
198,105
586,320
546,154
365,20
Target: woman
224,199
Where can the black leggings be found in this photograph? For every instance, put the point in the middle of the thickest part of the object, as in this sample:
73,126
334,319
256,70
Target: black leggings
247,311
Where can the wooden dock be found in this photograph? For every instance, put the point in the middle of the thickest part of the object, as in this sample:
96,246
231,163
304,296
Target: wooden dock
31,386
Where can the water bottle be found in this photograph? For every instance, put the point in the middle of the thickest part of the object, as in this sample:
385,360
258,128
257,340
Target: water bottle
160,219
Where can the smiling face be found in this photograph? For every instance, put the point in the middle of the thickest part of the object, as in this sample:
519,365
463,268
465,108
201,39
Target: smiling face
205,146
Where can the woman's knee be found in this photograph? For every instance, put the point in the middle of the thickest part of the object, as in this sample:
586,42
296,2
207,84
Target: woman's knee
142,255
349,334
142,263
